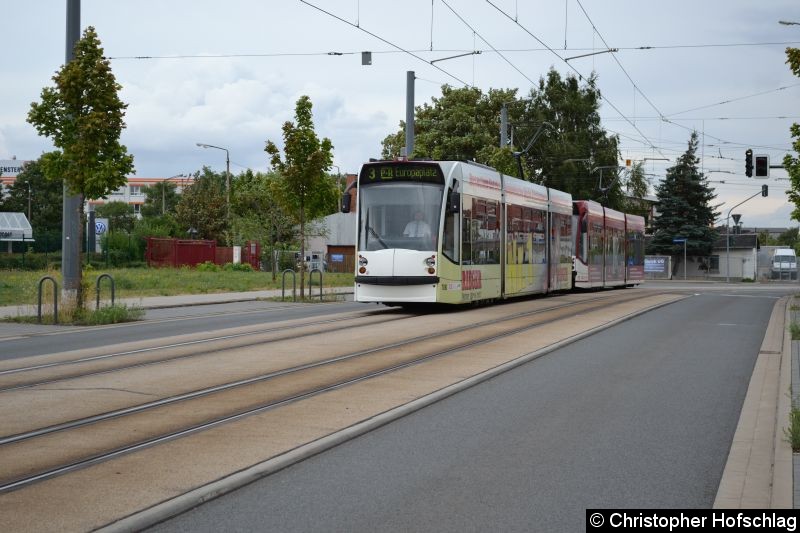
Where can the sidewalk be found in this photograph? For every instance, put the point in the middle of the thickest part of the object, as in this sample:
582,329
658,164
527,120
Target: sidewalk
13,329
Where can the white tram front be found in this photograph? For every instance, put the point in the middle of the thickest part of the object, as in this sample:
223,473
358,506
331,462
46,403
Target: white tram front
456,232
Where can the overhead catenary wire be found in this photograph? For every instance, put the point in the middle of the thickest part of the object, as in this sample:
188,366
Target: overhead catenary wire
487,42
619,63
735,99
412,54
581,76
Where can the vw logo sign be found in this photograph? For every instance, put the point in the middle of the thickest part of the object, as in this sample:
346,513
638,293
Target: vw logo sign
99,228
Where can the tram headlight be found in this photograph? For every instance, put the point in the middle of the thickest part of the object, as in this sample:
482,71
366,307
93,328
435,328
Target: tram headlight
430,263
362,261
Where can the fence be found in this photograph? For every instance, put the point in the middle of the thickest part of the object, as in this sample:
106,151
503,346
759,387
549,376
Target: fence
179,252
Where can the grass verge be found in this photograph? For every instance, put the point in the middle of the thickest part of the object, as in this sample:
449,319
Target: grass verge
20,287
793,431
112,314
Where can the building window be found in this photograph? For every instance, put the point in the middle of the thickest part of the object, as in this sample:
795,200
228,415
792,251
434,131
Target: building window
137,209
119,192
136,190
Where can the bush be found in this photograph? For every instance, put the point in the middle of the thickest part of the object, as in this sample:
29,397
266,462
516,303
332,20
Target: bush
237,267
121,249
208,266
28,261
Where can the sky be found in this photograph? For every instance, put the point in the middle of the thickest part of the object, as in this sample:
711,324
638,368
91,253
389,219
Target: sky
229,74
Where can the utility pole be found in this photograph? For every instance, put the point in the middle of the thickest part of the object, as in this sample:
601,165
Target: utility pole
409,113
70,236
504,125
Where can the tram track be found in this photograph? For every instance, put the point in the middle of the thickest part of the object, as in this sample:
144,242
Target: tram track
126,430
7,374
106,363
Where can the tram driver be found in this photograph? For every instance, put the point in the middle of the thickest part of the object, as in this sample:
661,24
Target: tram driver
417,227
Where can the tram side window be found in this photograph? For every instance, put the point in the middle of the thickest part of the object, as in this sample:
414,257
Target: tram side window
563,228
595,243
450,246
480,232
635,249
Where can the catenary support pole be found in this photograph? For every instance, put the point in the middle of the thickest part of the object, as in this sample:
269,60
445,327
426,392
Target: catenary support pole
70,236
409,113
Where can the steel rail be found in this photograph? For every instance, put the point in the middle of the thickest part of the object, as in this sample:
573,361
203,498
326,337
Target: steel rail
13,485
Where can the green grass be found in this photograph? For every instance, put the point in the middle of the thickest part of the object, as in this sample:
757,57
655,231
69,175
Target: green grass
793,431
794,329
87,317
20,287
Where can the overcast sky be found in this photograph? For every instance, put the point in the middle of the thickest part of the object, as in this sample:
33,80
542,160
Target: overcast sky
274,51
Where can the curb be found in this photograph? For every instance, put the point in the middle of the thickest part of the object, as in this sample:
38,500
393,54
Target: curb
185,502
758,473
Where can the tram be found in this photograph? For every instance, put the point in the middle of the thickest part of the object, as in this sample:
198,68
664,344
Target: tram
455,232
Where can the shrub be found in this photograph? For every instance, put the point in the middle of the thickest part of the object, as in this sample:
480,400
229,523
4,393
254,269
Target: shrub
238,267
208,266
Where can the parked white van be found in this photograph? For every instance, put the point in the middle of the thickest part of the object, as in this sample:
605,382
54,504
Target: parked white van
784,264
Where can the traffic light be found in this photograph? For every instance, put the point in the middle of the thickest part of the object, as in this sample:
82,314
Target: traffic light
762,166
764,190
748,163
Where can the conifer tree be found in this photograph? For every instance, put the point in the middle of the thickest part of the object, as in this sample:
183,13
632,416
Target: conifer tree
684,209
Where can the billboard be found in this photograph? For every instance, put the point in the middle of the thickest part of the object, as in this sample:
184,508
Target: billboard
10,168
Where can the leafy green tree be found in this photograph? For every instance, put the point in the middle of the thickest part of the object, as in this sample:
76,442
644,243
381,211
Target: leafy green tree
574,153
83,116
792,163
304,188
159,199
558,123
120,215
202,206
258,215
45,198
789,238
463,124
684,209
636,189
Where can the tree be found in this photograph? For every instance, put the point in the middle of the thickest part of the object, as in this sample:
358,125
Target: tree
120,215
789,238
792,163
559,123
575,154
203,207
684,209
44,195
257,213
304,187
84,117
159,199
461,125
636,189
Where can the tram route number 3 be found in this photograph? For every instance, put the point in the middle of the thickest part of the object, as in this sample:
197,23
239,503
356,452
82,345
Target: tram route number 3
470,279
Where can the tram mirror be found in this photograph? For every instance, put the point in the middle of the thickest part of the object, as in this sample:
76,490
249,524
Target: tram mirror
453,201
346,202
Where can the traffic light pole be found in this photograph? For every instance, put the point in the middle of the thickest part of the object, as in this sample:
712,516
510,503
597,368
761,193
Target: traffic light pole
728,236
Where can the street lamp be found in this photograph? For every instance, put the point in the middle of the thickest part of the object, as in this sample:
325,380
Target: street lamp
227,174
338,178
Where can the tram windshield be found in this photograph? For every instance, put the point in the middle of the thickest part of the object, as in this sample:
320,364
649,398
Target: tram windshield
399,215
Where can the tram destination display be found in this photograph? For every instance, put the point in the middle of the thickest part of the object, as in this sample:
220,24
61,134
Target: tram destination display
394,171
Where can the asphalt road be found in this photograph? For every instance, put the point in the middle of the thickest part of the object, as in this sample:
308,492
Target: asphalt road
159,323
639,416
